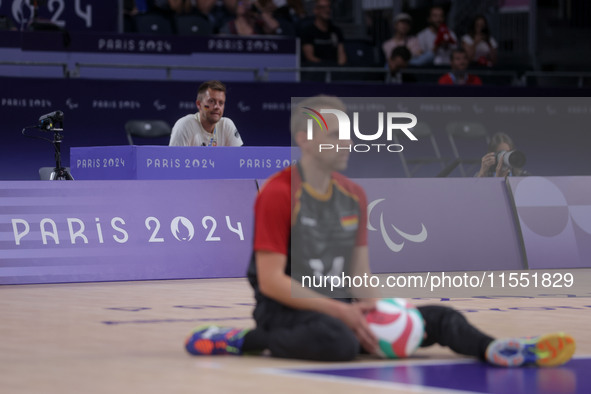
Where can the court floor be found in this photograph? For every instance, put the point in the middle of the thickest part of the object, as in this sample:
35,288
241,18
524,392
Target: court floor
124,337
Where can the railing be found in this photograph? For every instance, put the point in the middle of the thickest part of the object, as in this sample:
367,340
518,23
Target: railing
167,68
263,74
387,77
64,66
579,76
513,76
328,71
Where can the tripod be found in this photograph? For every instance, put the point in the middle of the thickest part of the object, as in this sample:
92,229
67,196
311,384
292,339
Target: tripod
59,173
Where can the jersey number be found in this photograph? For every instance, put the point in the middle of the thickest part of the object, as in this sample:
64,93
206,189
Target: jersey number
338,264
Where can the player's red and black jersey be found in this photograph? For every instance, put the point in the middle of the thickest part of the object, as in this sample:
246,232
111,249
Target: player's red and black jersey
317,232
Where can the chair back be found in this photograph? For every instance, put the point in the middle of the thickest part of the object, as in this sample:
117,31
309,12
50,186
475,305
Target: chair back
146,129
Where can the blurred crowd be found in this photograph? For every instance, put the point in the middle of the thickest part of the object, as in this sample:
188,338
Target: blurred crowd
322,41
245,17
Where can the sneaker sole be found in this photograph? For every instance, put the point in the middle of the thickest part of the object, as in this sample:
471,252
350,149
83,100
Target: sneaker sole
545,351
200,346
554,349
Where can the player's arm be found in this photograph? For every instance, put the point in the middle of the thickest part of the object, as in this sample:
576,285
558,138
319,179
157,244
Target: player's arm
360,267
341,55
277,285
308,50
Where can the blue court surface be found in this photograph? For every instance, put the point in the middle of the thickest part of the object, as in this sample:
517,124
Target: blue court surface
459,376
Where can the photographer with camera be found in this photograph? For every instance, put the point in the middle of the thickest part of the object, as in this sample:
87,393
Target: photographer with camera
479,45
502,158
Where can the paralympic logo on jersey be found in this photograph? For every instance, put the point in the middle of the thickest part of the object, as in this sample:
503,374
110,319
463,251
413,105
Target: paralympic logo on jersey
345,130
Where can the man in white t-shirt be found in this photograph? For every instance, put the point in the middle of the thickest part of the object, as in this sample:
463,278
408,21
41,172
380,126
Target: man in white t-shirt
436,40
207,127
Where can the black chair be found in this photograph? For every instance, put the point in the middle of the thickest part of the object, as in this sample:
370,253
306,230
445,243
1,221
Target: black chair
192,25
152,24
468,131
411,166
361,53
148,129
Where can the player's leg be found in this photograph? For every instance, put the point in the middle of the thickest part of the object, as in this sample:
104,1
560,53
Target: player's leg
310,335
448,327
285,332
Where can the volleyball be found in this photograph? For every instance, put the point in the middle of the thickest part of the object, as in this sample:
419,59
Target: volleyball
398,325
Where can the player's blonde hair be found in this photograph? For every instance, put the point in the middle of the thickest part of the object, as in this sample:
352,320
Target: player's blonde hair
299,119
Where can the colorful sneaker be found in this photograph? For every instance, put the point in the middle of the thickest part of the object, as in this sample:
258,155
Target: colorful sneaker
206,340
543,351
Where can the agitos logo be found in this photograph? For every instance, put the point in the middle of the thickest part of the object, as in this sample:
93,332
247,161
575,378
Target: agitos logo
345,130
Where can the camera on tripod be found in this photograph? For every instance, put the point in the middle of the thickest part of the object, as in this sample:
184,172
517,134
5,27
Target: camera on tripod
47,121
53,122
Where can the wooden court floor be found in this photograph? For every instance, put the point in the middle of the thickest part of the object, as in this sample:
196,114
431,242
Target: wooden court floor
127,337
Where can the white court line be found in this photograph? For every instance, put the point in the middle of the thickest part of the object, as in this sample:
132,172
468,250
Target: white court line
384,362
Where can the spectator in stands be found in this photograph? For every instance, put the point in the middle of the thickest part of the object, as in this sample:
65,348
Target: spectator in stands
204,7
398,60
322,41
492,164
130,8
458,74
207,127
436,40
204,10
402,24
134,7
222,12
129,11
173,6
478,43
253,17
291,14
291,10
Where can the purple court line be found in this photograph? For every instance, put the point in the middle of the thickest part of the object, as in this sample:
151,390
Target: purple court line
154,321
444,376
304,373
470,310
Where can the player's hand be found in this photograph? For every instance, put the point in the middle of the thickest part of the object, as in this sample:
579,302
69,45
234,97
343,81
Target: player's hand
366,304
354,317
488,161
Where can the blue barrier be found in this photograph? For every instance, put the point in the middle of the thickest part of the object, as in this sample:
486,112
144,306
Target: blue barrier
163,162
165,229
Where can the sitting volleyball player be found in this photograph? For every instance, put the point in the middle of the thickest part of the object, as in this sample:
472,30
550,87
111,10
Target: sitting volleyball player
299,231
